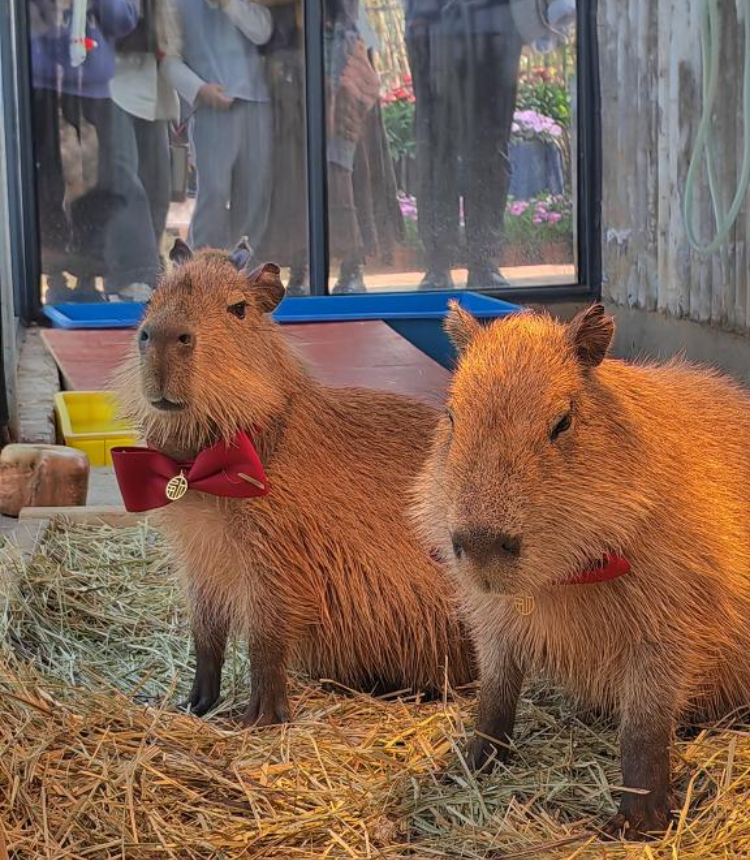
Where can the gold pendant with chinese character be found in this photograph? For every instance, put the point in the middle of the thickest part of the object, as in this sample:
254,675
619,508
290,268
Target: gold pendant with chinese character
176,487
524,605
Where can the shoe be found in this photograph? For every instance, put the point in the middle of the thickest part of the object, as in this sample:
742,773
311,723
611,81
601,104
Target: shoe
86,295
486,278
350,280
297,284
437,279
58,294
135,293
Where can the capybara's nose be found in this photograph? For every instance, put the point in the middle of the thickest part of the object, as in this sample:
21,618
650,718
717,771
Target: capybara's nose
163,336
486,544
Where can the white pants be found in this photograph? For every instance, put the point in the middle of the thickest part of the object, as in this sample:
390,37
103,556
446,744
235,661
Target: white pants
232,153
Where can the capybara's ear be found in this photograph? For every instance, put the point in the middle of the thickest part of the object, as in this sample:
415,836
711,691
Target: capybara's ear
180,252
242,254
266,287
590,333
460,325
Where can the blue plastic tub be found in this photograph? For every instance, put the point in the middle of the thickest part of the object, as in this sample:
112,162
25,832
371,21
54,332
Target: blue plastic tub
418,317
95,315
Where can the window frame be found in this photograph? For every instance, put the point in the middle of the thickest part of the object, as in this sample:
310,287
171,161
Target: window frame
17,108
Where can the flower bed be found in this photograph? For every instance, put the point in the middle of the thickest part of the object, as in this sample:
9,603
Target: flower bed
537,231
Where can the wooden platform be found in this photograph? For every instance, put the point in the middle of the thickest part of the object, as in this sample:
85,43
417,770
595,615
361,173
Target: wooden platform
368,354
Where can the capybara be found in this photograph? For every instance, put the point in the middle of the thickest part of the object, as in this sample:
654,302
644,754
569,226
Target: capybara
325,573
596,515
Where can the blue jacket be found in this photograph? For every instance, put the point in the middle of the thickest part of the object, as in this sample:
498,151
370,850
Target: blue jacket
106,21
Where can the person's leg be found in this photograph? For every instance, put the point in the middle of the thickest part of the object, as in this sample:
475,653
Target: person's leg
437,198
154,169
91,213
491,102
251,175
215,137
53,224
130,249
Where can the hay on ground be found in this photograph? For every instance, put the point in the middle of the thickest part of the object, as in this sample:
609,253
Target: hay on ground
97,762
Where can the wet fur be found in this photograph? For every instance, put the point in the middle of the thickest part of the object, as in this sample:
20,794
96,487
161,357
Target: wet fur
656,466
324,574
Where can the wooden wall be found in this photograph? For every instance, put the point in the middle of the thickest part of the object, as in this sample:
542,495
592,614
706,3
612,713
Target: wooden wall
651,101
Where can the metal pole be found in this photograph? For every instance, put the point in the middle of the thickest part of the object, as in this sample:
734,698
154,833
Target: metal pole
317,174
15,80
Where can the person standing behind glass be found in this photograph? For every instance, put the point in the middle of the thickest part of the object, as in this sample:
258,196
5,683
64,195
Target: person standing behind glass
73,58
464,57
219,71
144,103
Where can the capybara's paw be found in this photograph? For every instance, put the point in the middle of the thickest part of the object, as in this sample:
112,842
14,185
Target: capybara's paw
266,709
483,754
638,826
199,705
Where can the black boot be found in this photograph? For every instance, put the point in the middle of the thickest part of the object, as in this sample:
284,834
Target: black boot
350,279
85,291
437,279
297,284
485,277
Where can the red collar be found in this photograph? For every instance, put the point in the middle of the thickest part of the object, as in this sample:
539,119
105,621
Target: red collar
149,479
611,567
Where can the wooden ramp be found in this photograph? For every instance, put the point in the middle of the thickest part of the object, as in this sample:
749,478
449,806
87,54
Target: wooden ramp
368,354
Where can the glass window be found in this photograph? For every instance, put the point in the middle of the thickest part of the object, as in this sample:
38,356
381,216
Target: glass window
162,118
450,143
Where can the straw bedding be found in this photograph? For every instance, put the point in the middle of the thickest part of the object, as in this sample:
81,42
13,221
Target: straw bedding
96,761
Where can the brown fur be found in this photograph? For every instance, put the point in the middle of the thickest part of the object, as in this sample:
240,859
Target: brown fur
323,574
655,466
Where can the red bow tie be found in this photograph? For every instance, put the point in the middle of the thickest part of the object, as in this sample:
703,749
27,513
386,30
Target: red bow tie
149,479
611,567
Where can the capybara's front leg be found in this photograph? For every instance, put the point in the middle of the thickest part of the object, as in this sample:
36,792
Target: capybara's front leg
269,702
645,737
501,679
210,639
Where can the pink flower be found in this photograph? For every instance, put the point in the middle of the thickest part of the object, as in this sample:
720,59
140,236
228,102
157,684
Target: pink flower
554,217
518,207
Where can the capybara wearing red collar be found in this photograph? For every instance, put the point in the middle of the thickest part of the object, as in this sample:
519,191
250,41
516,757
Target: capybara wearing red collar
596,515
325,573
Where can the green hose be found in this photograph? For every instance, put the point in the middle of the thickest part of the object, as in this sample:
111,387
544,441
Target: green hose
704,141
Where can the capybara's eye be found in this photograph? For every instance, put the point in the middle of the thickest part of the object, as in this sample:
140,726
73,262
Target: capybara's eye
450,416
562,425
238,310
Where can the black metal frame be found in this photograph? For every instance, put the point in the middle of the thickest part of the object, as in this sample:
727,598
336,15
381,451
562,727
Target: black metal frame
16,89
317,177
15,76
588,287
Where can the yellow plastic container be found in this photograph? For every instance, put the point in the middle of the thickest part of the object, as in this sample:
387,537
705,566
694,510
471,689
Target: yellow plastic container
87,421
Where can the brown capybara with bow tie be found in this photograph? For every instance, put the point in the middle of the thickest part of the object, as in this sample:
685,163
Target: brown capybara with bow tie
325,573
596,515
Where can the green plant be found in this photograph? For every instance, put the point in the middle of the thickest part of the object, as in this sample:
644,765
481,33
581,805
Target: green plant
548,218
398,117
546,93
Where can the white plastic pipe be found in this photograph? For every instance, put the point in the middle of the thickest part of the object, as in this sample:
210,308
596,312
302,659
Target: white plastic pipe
704,140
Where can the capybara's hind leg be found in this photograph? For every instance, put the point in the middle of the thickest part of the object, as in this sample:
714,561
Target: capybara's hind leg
501,680
210,639
645,737
269,701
